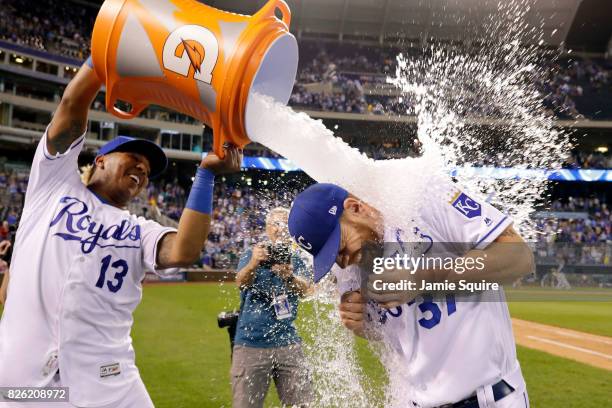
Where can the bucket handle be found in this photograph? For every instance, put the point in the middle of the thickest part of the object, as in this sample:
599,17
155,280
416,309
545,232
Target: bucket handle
135,111
269,9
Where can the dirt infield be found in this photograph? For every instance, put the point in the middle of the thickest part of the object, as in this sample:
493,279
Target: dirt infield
582,347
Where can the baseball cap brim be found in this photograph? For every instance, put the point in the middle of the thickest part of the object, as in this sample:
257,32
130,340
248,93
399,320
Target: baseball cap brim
154,154
327,255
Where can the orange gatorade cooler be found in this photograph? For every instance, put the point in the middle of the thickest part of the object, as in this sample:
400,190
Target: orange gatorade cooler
194,59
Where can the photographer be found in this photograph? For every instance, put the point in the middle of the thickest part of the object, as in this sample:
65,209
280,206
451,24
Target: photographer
267,345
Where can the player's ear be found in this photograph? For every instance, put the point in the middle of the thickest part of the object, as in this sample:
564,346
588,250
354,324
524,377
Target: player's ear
352,205
354,209
99,162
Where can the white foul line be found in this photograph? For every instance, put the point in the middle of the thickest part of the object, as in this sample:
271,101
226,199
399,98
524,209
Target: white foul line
585,337
557,343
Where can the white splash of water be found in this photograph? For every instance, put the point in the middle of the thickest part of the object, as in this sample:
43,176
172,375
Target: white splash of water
481,106
336,375
328,159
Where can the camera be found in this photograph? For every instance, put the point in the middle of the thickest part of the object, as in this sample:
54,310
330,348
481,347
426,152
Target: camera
278,254
227,319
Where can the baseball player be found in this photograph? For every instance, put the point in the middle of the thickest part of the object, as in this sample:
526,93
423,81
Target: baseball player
446,353
80,258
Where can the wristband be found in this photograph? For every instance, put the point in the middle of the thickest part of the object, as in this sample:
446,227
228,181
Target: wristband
89,62
201,194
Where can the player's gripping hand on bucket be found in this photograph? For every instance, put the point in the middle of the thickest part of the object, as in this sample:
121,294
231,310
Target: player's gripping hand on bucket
230,163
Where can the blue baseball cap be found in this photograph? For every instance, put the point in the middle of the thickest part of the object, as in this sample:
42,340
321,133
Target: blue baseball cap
314,223
155,154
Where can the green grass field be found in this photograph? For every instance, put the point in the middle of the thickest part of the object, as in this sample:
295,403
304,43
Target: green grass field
184,358
589,317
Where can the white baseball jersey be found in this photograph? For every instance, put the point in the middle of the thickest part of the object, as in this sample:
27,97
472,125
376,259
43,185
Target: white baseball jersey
76,278
444,349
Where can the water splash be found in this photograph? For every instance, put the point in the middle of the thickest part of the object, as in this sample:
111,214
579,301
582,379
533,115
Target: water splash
337,378
480,106
328,159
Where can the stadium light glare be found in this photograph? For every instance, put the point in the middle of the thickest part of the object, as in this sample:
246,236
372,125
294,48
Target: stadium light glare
602,149
19,60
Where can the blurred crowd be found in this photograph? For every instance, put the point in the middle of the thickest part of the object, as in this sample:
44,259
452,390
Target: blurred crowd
592,160
595,229
563,83
327,62
13,185
349,97
60,28
586,239
168,197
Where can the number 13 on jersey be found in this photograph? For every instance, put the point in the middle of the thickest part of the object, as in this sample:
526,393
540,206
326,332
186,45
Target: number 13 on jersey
120,267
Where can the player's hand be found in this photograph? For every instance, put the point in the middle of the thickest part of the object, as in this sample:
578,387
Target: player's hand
392,298
352,309
4,247
259,255
283,271
229,164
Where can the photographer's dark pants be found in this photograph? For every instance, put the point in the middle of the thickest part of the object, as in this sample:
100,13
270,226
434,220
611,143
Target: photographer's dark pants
252,369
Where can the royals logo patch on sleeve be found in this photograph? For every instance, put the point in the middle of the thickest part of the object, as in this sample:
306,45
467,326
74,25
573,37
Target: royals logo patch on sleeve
466,206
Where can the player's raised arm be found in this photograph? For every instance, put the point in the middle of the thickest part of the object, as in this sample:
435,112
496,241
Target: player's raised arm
70,119
504,260
183,248
511,257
